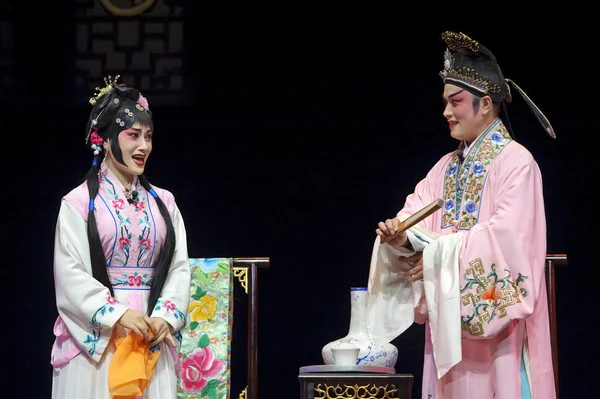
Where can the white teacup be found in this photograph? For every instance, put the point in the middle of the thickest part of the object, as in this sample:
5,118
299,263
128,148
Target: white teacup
345,354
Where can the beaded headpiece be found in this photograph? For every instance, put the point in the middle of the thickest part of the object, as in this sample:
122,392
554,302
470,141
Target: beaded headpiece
99,92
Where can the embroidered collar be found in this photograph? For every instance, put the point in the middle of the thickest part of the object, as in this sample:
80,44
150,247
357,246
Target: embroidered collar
487,129
464,182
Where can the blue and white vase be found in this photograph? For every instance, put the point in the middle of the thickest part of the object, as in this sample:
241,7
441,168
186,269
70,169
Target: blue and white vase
370,354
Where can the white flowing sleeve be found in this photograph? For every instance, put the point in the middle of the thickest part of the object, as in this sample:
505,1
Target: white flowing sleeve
83,303
394,302
173,302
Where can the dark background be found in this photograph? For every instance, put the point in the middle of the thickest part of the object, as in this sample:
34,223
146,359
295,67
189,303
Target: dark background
306,126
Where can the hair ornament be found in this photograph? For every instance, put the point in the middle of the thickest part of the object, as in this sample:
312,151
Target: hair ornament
96,141
143,102
99,92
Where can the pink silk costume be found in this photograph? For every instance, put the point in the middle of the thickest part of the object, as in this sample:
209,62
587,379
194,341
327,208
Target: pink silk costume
132,235
494,199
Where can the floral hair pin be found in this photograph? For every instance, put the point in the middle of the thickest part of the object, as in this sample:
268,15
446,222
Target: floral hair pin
142,102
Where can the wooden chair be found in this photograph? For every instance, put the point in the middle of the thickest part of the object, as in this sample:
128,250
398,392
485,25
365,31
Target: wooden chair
246,270
553,261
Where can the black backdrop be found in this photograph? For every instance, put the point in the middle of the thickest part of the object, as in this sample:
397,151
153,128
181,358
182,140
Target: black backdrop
307,127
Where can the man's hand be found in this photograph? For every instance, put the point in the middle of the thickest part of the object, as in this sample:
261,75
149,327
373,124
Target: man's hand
416,261
388,228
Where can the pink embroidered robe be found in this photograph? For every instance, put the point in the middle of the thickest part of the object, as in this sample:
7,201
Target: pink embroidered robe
132,236
496,202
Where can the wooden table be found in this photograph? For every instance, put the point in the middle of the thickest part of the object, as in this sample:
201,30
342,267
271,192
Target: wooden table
354,385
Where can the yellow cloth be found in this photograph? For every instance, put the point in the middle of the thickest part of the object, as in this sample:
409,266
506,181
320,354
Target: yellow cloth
131,367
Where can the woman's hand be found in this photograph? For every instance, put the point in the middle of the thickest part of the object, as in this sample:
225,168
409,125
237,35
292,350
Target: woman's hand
163,331
137,322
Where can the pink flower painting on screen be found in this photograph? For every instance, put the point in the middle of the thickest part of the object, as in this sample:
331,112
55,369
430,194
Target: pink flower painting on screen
198,368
